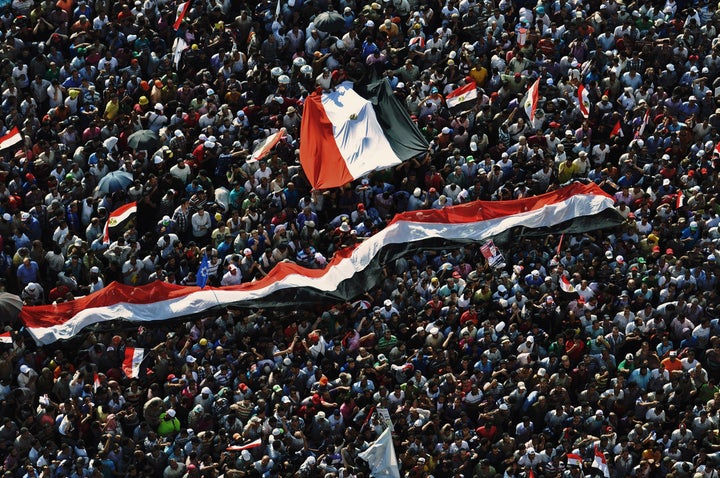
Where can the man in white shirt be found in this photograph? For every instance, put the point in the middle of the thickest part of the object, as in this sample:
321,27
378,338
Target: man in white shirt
200,222
232,276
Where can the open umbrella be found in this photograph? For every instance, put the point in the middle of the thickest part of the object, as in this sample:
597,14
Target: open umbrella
10,306
144,139
115,181
329,22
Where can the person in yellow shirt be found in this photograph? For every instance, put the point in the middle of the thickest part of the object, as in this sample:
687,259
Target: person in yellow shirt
112,108
566,170
479,74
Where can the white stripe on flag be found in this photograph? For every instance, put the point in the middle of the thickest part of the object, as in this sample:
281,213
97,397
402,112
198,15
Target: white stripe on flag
6,338
358,135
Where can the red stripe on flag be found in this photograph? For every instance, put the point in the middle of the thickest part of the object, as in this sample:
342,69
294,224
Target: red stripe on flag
320,156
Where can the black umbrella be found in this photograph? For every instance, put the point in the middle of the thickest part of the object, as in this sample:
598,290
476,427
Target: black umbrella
115,181
144,139
330,22
10,305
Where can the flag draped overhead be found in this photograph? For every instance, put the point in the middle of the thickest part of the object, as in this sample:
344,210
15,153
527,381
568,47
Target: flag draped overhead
351,272
344,135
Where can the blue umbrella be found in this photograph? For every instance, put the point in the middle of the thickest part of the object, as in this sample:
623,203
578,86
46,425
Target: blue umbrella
115,181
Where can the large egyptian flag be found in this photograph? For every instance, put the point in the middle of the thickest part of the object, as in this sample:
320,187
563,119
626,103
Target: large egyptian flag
462,98
349,274
344,135
118,220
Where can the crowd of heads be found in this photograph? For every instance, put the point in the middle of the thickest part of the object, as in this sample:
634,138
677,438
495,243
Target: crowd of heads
483,371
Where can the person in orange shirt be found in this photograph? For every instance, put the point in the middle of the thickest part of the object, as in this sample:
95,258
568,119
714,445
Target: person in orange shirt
672,364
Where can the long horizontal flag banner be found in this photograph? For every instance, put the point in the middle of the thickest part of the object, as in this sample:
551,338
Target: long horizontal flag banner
350,272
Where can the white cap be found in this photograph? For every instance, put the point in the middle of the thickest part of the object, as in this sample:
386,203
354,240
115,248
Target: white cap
434,330
530,339
171,413
7,217
246,455
320,415
95,269
159,107
247,251
206,391
24,368
445,130
387,303
666,182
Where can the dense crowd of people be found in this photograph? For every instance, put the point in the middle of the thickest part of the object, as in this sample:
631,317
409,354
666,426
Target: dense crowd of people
484,371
